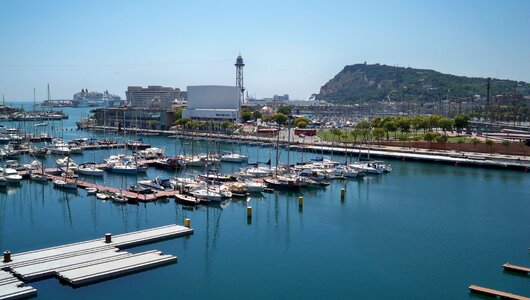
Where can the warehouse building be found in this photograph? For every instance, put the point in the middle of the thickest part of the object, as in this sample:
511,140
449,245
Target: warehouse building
213,103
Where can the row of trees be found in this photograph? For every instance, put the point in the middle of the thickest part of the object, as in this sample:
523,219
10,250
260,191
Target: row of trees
415,124
379,128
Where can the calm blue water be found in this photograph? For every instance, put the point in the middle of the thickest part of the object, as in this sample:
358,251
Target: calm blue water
424,231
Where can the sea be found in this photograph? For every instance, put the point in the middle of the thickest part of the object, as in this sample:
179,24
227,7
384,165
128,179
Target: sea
423,231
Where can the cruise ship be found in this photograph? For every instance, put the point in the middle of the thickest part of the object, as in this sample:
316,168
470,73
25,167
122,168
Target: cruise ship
86,98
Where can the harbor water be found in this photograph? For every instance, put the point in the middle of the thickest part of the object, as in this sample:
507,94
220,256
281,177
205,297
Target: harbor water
423,231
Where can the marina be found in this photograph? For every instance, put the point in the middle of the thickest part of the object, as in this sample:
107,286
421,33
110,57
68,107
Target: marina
350,200
227,150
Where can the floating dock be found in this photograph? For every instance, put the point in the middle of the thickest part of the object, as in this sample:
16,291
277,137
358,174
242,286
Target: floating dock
12,288
85,262
112,268
517,269
494,293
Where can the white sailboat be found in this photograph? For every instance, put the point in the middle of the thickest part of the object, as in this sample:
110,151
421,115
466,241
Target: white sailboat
89,169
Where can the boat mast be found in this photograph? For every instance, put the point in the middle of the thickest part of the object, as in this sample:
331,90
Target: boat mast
277,148
289,141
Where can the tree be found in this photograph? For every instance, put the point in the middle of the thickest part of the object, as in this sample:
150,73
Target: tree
376,122
301,119
284,109
389,126
446,124
246,115
378,133
429,137
280,118
434,121
442,139
419,122
301,124
403,124
354,134
461,121
178,114
335,131
362,125
256,115
226,124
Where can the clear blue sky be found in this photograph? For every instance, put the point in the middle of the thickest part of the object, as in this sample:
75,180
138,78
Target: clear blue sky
288,46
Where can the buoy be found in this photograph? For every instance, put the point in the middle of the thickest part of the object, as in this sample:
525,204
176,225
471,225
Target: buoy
7,256
249,212
108,238
187,223
300,201
342,193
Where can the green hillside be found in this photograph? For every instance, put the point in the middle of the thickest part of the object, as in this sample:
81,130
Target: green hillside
367,83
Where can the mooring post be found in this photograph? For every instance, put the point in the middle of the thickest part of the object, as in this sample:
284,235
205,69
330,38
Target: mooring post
108,238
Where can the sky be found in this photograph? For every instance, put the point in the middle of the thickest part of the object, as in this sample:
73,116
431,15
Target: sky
289,47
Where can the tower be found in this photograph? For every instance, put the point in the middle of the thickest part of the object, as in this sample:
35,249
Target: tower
239,81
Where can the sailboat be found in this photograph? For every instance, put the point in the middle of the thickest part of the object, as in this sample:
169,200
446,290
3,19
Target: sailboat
119,197
39,177
65,183
90,169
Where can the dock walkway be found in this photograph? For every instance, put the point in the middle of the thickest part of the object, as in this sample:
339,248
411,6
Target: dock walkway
85,262
494,293
112,268
514,268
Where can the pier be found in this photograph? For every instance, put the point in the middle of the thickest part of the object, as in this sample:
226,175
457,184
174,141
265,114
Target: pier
85,262
494,293
517,269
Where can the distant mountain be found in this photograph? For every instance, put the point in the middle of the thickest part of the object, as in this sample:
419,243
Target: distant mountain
367,83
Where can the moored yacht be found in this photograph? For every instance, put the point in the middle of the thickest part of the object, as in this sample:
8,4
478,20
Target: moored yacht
11,175
89,169
234,157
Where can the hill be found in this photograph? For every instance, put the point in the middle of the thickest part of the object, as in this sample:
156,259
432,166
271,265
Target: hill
368,83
